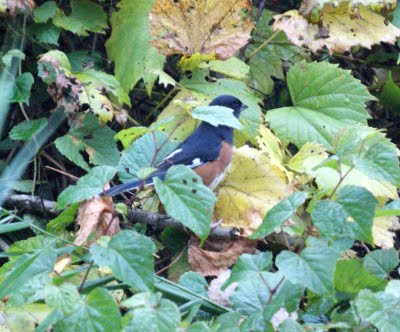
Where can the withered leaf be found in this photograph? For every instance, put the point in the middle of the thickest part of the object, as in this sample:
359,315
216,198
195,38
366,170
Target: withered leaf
96,216
202,26
217,256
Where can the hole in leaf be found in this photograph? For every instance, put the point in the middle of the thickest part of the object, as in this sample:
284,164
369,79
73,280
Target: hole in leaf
194,180
184,181
194,191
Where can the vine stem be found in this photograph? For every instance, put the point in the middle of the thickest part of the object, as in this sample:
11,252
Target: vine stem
162,102
262,45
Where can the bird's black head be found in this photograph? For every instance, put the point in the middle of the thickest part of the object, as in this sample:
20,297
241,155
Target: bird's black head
231,102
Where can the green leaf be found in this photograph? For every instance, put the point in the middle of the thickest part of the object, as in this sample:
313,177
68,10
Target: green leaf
228,322
86,16
232,67
63,297
26,129
390,95
128,136
87,186
289,325
253,295
95,312
391,209
130,257
325,99
278,214
268,61
360,205
250,117
45,12
58,225
101,80
314,268
351,277
90,137
22,88
81,60
381,262
370,152
195,282
13,53
150,313
28,265
380,309
331,220
31,290
249,266
129,45
146,151
217,115
187,199
379,163
44,33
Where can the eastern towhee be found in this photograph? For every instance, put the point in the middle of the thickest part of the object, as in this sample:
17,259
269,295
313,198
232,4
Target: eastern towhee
208,151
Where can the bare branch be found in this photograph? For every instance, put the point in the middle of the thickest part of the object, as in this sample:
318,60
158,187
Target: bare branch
155,220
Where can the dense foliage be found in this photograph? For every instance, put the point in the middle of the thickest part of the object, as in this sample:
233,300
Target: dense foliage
302,232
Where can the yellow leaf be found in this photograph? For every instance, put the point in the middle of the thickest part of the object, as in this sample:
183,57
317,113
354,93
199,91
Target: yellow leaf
202,26
178,110
271,144
339,30
309,154
328,178
252,186
383,231
190,63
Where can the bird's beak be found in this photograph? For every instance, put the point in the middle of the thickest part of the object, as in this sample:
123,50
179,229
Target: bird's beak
243,107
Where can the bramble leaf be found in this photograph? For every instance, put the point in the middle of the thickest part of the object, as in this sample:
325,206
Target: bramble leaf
325,99
130,257
129,45
87,186
187,199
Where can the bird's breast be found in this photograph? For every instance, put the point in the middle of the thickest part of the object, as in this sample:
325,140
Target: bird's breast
213,172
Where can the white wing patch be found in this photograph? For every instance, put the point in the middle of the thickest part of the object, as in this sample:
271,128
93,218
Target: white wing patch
196,162
173,153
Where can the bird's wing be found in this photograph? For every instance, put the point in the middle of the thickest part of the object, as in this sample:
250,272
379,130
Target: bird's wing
135,184
191,153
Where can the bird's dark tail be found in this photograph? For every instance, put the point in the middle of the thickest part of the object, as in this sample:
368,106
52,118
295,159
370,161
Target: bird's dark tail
132,185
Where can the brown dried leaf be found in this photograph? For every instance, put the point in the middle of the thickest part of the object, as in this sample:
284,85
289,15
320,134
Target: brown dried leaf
96,215
202,26
217,256
13,7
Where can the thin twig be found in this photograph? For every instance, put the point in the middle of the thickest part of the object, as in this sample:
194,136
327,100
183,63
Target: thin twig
263,45
73,177
85,277
52,160
160,104
172,263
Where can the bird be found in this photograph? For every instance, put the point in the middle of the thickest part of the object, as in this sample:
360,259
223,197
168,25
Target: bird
208,151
